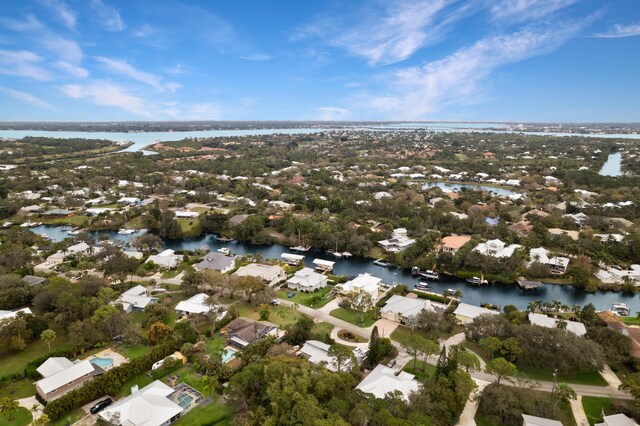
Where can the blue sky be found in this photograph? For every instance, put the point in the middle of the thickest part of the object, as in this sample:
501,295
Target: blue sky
511,60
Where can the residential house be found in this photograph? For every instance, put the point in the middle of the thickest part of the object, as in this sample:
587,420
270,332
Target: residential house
542,320
453,243
5,315
363,283
307,280
399,308
149,406
166,259
579,218
521,228
272,274
556,232
556,264
195,305
398,241
617,420
318,352
496,248
61,376
383,380
74,250
466,313
381,195
33,280
238,219
135,299
216,262
241,332
528,420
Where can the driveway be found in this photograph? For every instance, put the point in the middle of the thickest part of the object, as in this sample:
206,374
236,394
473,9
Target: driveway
29,403
469,413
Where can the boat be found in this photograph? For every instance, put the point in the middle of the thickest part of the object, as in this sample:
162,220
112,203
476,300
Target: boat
125,231
491,306
381,262
450,292
346,254
422,286
225,251
477,281
29,224
73,231
430,275
224,239
620,309
300,248
334,253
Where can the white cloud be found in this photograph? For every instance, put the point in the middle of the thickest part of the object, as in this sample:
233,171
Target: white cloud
620,30
458,78
72,70
177,69
145,31
63,12
64,48
108,16
22,63
526,10
29,24
257,57
331,113
106,93
25,97
118,66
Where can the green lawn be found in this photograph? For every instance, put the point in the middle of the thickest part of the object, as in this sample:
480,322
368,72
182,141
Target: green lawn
72,417
315,299
593,407
354,317
16,362
481,420
141,380
215,413
18,389
422,371
320,330
631,320
403,335
21,417
133,352
280,315
215,344
350,337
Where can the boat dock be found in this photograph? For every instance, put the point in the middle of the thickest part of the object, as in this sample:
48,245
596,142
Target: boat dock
528,285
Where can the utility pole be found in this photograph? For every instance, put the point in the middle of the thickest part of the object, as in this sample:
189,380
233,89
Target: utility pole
555,376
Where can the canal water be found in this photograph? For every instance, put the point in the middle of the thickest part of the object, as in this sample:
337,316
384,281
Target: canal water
500,294
613,165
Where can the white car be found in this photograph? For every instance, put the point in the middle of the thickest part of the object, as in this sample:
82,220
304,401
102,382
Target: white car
275,302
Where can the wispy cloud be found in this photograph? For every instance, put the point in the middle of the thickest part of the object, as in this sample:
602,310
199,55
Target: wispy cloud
63,12
177,69
64,48
145,31
29,24
621,30
331,113
458,78
118,66
108,16
390,34
25,97
72,70
105,93
257,57
23,63
526,10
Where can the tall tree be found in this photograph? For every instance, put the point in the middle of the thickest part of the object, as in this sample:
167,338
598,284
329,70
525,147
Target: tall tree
501,368
48,336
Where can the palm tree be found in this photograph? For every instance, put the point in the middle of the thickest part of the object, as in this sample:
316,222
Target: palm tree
561,323
576,310
9,406
532,306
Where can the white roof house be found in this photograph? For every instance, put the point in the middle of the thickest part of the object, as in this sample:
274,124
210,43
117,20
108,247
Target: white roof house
324,265
556,264
383,380
63,377
496,248
307,280
538,421
617,420
149,406
317,352
363,283
194,305
12,314
135,299
382,194
542,320
166,259
272,274
398,241
466,313
79,248
54,365
398,308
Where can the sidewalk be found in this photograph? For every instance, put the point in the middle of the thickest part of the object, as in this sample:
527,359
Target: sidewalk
578,411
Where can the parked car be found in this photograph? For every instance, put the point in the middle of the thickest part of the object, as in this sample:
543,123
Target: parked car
290,295
101,405
275,302
391,363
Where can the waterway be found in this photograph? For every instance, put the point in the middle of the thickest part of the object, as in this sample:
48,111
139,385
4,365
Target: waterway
500,294
613,165
456,187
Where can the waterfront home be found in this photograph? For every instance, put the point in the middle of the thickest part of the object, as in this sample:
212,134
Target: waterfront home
528,420
34,208
5,315
617,275
542,320
617,420
272,274
466,313
149,406
318,352
60,376
453,243
496,248
74,250
383,380
556,264
165,259
135,299
398,241
363,283
399,308
196,304
217,262
241,332
307,280
323,265
238,219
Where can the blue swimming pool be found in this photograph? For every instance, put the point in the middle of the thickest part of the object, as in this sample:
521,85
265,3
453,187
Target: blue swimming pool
102,362
228,354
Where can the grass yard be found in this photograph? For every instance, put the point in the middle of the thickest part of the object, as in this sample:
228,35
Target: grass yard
403,335
19,389
481,420
215,413
320,330
133,352
69,418
315,299
280,315
593,407
20,417
422,371
631,320
189,226
354,317
217,343
141,380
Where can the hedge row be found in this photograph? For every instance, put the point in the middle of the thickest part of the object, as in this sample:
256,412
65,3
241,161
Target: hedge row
110,382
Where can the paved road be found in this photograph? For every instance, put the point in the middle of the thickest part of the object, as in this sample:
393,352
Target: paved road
602,391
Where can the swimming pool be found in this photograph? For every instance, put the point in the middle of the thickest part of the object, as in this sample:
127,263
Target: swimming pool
228,354
102,362
184,400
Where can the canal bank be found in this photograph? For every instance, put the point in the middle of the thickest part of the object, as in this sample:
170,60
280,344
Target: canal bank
497,294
